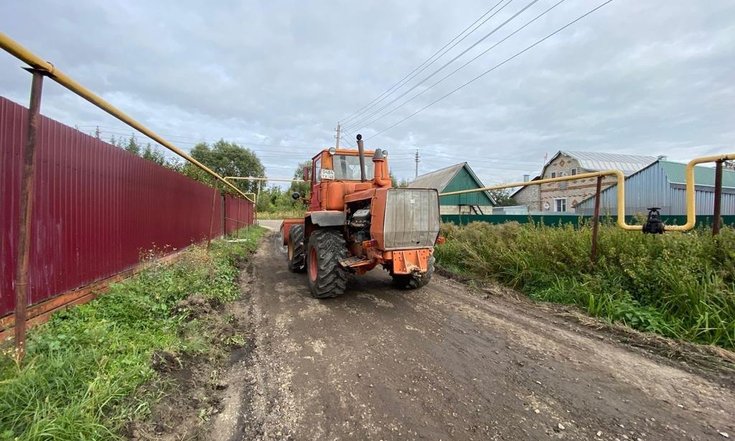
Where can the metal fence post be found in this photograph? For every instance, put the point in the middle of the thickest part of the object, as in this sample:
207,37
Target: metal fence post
22,273
596,221
224,215
718,199
211,217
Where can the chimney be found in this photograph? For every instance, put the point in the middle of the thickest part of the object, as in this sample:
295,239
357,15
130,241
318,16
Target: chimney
526,178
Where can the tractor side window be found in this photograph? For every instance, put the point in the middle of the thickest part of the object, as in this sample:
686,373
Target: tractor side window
317,172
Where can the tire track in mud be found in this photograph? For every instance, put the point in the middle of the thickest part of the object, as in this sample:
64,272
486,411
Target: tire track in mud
443,363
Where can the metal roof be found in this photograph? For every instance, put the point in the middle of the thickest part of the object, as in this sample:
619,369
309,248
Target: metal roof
439,179
676,174
596,161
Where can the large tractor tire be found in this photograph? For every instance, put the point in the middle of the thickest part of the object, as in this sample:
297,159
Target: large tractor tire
296,249
326,276
414,281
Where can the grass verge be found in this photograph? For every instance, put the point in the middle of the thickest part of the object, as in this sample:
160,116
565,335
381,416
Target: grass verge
677,285
82,374
281,214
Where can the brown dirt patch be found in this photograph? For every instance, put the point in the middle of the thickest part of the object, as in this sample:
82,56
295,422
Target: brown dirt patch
193,387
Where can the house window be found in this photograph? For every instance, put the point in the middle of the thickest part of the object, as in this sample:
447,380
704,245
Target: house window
574,172
560,205
553,175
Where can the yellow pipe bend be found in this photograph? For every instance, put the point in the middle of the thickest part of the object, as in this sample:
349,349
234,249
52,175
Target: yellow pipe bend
690,189
619,176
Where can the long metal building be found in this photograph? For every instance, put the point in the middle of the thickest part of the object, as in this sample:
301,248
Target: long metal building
663,184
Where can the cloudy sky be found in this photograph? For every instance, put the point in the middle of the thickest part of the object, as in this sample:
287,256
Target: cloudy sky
654,77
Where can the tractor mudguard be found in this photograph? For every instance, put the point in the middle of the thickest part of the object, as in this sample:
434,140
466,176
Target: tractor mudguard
331,218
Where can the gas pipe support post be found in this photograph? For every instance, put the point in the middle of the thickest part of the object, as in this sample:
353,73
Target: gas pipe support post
716,219
22,272
596,221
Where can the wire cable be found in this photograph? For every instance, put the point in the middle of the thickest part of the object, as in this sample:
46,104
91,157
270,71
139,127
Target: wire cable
416,70
493,68
359,125
528,23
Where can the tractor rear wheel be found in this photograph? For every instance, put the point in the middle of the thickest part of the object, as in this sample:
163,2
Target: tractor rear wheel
326,276
296,249
414,281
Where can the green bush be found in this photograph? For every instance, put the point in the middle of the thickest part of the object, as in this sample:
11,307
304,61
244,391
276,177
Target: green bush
677,285
84,367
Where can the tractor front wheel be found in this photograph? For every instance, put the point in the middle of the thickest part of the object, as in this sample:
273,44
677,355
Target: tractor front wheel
326,249
414,281
296,249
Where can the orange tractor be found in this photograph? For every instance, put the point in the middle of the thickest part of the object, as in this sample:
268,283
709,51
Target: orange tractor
356,222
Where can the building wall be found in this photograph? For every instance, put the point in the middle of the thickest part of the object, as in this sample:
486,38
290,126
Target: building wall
573,192
529,196
463,209
464,181
650,188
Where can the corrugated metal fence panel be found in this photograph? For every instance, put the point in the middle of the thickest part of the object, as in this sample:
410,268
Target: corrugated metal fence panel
238,213
97,208
651,188
12,132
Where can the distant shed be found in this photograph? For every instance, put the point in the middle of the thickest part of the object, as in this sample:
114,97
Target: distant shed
663,184
454,178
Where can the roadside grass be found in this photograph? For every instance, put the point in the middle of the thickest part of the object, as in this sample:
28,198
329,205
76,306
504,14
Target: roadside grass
83,370
282,214
677,285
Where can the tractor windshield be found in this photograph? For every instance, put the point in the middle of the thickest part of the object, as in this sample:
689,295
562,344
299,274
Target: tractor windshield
347,168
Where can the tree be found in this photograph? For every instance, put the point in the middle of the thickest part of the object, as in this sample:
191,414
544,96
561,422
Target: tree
226,159
133,146
393,180
303,188
502,197
154,155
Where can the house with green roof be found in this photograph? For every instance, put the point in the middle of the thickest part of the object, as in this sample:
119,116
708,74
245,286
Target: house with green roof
454,178
663,184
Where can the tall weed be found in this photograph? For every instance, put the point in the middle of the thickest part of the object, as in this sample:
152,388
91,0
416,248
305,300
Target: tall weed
677,285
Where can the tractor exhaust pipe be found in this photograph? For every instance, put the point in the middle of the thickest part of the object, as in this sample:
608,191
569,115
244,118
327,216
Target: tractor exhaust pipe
361,150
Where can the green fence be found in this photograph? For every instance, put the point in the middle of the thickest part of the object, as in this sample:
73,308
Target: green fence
576,220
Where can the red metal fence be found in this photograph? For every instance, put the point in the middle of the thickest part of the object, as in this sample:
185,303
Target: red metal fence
96,208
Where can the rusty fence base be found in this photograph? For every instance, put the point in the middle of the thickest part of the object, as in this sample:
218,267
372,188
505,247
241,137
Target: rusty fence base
42,312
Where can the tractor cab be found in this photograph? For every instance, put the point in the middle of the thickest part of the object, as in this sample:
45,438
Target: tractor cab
336,173
340,165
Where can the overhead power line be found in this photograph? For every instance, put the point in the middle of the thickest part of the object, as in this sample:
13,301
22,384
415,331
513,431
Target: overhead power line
428,62
493,68
358,124
528,23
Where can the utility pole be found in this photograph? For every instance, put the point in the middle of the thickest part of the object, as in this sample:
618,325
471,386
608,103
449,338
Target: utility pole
416,174
339,128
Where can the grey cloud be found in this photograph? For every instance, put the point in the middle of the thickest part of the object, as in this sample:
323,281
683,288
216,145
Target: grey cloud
651,77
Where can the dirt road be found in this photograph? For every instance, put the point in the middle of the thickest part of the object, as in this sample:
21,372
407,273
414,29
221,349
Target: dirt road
445,363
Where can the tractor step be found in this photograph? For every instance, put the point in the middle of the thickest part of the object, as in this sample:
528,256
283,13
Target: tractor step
354,262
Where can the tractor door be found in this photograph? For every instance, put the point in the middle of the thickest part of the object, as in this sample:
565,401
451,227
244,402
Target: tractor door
316,170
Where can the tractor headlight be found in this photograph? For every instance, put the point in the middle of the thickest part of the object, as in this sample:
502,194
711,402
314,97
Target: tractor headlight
332,151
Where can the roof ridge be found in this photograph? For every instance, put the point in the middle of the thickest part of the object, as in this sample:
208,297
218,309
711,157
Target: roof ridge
461,164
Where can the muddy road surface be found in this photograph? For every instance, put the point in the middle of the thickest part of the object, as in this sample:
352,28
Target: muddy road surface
449,362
